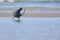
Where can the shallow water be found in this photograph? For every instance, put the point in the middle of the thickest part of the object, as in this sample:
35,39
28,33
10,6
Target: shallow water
23,4
30,29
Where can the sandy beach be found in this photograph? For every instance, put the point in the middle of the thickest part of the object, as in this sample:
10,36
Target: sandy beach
32,12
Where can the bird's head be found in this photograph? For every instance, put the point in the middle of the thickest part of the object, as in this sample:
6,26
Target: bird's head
22,11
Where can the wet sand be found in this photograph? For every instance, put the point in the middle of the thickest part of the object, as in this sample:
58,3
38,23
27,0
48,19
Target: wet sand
33,14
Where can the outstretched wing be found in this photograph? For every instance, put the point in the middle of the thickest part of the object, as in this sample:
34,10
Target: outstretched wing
22,12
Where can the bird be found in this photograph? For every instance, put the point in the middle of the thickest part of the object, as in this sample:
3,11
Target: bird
18,13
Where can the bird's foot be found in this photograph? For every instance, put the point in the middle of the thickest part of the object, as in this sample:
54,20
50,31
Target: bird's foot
17,20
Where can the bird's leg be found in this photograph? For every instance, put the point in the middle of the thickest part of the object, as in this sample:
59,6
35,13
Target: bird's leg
18,19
